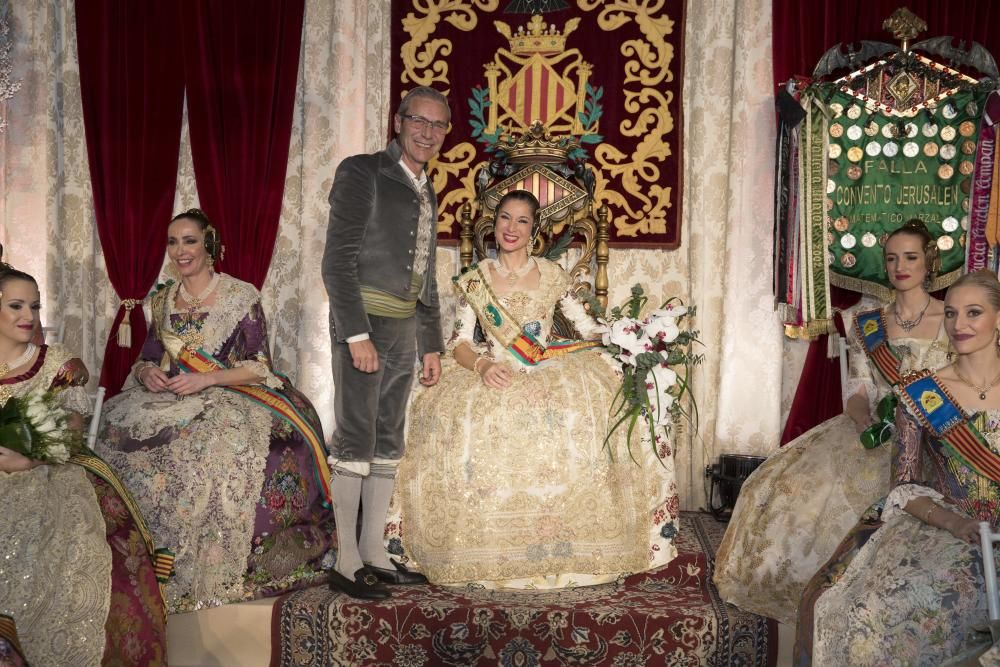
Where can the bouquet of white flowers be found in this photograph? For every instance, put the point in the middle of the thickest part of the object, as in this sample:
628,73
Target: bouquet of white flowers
651,351
37,426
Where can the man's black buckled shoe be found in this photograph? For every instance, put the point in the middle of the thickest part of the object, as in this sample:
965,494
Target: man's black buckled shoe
366,585
398,576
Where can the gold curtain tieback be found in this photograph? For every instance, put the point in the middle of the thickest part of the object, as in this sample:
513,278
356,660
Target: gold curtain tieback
125,326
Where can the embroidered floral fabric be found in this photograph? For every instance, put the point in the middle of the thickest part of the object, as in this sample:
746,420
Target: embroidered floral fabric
912,593
795,509
63,566
227,485
515,488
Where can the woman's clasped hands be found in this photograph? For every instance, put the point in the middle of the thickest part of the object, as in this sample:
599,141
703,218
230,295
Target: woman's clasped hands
183,384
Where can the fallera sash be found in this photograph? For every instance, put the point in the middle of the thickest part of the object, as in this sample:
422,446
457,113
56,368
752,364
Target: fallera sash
9,632
937,411
497,321
162,558
200,361
870,328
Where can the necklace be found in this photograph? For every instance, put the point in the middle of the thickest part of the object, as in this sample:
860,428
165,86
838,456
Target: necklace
981,390
906,325
513,275
6,367
194,302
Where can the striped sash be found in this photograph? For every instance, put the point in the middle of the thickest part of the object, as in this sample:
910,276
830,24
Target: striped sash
870,328
938,412
200,361
162,558
497,321
9,632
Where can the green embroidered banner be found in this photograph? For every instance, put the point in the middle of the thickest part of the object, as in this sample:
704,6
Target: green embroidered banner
886,169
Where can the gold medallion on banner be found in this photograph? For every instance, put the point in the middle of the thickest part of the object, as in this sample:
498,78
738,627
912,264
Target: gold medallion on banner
930,149
945,172
854,154
947,133
968,146
967,128
841,224
854,172
965,167
945,243
836,131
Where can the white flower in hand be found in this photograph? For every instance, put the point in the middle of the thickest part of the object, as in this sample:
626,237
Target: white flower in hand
47,426
664,329
669,310
627,334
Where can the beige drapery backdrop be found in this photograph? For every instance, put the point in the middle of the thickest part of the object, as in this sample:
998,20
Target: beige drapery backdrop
723,266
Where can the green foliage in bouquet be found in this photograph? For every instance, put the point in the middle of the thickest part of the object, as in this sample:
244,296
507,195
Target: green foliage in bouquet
656,362
37,426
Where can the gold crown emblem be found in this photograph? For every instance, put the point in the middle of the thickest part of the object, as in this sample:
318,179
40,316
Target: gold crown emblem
537,37
536,146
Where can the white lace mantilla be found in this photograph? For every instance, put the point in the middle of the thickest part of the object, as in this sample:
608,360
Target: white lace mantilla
234,300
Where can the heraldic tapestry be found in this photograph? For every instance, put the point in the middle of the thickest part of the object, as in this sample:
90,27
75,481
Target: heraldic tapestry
604,74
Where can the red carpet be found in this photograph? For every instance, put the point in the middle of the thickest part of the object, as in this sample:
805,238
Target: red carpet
671,616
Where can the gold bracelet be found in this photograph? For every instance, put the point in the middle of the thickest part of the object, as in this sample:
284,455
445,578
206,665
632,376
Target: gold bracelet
475,365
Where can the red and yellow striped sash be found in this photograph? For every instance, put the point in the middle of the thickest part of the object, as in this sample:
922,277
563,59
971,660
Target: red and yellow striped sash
199,361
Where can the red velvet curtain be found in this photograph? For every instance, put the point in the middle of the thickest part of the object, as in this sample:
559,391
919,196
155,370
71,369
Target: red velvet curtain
133,95
803,31
241,62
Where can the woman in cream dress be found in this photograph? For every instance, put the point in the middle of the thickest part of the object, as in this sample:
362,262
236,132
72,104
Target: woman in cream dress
912,593
794,509
506,480
76,571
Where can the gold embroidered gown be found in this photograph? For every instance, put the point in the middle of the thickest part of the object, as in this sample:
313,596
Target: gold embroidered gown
232,488
514,487
796,507
75,574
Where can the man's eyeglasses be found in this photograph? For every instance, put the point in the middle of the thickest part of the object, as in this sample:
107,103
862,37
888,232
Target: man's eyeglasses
421,123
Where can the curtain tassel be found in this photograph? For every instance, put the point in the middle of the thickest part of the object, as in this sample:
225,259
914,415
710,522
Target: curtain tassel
125,326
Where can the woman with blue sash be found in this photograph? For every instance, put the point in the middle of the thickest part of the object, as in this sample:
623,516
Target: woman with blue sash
223,455
794,509
506,480
910,592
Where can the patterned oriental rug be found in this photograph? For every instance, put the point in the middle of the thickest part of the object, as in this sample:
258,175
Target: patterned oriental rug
671,616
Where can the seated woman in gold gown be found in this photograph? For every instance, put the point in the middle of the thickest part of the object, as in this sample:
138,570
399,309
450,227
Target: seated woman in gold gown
77,575
796,507
506,480
224,456
908,589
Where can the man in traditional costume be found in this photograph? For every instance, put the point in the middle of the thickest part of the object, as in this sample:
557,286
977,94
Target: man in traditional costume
378,268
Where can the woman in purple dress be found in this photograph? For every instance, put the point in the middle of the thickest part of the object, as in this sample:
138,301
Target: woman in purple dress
224,456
